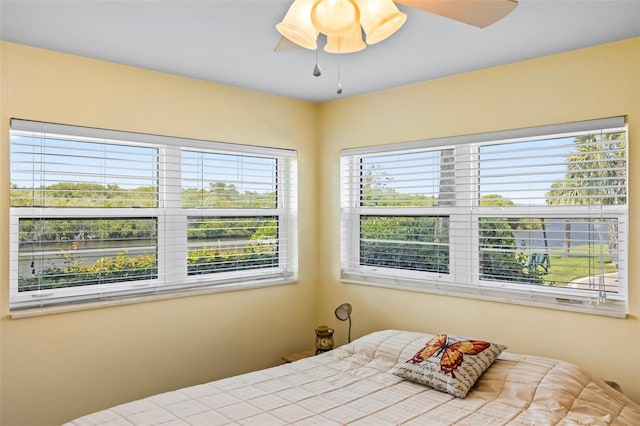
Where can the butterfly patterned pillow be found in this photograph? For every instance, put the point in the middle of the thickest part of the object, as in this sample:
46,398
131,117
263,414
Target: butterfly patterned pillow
450,364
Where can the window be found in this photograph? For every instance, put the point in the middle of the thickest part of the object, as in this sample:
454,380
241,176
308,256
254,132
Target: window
98,214
533,216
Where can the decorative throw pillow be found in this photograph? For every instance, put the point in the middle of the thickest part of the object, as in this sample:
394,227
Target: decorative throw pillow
450,363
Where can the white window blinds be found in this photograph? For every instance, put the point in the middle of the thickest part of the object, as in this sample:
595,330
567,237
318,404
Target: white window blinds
535,216
98,214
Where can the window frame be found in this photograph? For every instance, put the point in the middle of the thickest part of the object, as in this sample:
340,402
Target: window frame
171,220
464,278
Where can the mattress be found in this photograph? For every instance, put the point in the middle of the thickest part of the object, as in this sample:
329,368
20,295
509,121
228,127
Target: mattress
354,384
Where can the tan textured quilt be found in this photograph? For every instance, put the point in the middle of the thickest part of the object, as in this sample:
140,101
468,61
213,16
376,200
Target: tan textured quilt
354,384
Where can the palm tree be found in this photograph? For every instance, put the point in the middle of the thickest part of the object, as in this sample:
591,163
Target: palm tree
596,175
447,184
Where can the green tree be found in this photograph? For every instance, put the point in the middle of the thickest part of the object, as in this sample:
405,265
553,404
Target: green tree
596,175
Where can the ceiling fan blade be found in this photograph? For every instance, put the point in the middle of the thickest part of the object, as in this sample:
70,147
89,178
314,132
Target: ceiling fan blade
285,45
479,13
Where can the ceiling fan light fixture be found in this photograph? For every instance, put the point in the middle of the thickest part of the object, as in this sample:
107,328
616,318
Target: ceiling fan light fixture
296,25
348,43
334,17
380,19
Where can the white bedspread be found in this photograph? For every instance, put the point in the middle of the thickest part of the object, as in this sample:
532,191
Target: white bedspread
354,385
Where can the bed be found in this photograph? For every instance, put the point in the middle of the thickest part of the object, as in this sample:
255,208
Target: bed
367,382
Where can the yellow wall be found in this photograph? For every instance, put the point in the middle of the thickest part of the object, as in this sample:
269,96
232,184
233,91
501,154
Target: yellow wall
597,82
60,366
57,367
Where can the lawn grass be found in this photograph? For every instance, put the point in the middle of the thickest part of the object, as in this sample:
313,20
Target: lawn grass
577,264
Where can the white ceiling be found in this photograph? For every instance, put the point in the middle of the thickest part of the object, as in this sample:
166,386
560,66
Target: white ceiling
232,41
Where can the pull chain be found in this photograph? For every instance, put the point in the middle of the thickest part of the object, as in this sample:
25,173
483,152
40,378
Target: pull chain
339,89
317,72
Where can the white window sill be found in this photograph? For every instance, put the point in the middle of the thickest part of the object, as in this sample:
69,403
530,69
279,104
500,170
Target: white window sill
549,301
82,306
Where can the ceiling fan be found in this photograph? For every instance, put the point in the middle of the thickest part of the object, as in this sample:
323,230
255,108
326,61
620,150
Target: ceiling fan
343,21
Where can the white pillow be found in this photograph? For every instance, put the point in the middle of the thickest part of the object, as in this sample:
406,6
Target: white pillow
450,363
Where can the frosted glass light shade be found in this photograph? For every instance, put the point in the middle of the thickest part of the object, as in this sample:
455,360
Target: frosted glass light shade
379,19
348,43
296,25
334,17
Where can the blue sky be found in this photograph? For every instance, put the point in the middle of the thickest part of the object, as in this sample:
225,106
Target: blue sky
130,166
522,171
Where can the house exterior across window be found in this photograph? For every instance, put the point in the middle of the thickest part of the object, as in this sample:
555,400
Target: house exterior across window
99,214
534,216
